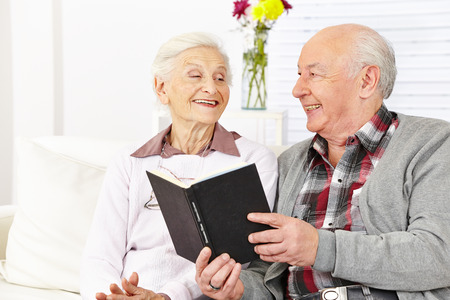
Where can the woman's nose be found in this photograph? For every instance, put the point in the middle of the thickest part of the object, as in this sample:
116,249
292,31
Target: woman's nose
209,86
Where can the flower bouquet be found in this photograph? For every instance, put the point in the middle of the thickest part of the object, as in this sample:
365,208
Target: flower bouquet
256,18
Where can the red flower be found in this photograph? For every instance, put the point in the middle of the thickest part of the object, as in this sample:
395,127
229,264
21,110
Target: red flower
286,5
239,8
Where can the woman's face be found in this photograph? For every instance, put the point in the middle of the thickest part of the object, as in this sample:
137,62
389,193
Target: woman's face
197,90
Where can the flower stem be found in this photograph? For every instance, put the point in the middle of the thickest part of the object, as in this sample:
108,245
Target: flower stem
255,63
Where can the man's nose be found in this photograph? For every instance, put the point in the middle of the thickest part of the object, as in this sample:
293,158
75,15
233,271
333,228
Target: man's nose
300,89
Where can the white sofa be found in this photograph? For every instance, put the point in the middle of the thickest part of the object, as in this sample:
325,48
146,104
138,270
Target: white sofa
58,179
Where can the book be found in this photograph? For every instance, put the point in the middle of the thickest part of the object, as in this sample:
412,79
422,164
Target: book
212,211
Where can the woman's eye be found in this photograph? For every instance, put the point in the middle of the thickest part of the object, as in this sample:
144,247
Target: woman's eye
220,77
194,75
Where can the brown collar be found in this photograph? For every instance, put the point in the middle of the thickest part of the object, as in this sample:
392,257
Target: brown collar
222,141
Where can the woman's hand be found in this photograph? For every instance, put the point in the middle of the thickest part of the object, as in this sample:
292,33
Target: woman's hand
219,279
130,291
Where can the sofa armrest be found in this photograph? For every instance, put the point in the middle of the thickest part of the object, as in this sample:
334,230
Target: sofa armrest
6,217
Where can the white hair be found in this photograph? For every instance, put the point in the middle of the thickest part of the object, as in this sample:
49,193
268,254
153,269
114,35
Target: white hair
370,48
164,62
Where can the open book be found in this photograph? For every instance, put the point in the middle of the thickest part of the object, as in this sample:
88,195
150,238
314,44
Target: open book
212,211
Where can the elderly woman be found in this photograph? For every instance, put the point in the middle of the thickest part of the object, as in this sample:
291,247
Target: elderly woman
128,234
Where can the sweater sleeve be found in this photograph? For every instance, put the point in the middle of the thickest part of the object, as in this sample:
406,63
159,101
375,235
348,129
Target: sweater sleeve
253,280
106,244
406,213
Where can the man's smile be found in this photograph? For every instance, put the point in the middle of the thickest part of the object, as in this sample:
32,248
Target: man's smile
312,107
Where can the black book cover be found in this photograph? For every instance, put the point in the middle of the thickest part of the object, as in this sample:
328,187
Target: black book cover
212,212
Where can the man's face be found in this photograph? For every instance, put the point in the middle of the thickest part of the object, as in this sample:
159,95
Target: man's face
327,94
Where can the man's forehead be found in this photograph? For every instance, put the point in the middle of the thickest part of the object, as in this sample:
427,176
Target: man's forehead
322,54
313,65
314,58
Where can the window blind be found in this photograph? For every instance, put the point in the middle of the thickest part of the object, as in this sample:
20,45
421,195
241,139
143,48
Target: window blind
418,30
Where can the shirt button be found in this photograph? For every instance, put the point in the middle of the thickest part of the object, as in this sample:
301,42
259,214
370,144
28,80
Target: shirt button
339,180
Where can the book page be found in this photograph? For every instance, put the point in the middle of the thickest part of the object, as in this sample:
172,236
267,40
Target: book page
202,178
221,171
169,178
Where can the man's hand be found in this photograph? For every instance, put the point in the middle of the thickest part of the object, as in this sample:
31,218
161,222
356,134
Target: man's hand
130,291
292,241
222,273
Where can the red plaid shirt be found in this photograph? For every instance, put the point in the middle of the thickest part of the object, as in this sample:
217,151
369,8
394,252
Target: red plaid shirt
329,196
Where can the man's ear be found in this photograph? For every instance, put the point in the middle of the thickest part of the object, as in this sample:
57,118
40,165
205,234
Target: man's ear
161,91
369,82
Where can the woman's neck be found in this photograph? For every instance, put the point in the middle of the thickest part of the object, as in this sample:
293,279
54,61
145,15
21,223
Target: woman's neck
190,140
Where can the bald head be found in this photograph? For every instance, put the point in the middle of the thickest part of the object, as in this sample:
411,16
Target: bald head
358,46
342,30
344,33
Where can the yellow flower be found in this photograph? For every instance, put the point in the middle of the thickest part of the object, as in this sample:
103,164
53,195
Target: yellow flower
271,9
258,12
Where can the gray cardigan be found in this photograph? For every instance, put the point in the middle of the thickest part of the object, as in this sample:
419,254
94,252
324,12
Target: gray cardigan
405,205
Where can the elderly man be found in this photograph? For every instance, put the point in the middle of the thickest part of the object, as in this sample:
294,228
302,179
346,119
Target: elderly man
363,207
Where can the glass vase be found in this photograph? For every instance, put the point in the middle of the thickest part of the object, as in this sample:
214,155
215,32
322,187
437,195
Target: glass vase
254,91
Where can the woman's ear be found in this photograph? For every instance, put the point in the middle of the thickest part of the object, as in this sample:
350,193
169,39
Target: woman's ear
369,83
161,91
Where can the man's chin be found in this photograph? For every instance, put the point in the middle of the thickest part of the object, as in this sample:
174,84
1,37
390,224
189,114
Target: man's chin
311,126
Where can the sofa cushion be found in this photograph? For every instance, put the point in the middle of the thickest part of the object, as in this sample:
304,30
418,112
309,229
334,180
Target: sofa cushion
6,217
10,291
58,182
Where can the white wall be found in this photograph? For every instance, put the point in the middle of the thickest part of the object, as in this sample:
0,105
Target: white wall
419,31
32,62
6,104
82,67
108,48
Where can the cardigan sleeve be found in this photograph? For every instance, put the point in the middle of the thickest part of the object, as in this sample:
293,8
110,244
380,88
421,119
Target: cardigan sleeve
102,261
404,206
